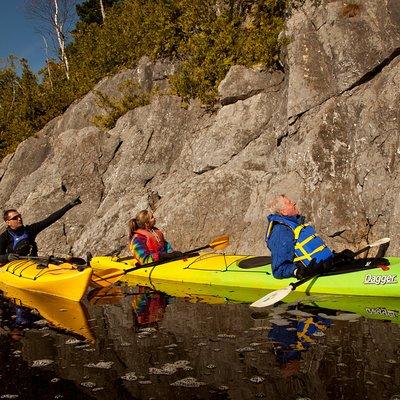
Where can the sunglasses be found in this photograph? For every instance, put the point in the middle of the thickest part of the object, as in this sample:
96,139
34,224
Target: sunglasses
15,217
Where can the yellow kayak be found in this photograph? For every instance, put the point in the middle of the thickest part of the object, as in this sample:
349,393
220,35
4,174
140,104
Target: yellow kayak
62,280
59,312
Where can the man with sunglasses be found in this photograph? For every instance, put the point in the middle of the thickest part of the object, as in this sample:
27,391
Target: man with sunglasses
19,239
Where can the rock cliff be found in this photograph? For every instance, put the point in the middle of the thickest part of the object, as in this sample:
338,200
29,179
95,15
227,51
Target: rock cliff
324,130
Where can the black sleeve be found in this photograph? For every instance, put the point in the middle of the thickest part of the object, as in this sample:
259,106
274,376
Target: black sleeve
3,247
37,227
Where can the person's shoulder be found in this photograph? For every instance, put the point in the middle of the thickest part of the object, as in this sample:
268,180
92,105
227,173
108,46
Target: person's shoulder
138,236
281,232
28,228
281,228
273,217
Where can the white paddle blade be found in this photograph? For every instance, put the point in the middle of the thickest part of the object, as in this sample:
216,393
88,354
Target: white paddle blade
379,242
272,298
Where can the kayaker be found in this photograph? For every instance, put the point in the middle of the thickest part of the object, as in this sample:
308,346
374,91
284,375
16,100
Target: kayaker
19,239
296,249
146,242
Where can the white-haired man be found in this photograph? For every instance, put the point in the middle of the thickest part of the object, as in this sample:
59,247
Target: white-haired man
296,249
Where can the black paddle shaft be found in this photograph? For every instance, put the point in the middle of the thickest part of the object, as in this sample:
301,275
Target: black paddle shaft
155,263
55,260
340,268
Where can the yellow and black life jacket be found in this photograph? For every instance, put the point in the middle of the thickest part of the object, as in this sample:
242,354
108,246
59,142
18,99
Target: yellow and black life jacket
308,245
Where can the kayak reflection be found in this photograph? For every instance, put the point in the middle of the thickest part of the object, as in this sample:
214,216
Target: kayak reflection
26,308
371,307
106,295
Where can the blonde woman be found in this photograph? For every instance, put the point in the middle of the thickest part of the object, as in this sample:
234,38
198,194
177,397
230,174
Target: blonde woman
146,242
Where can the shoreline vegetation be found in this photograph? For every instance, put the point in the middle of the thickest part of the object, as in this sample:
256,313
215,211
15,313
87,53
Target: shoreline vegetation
206,37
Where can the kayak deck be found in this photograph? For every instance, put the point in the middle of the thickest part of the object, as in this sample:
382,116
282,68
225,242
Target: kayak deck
223,270
58,280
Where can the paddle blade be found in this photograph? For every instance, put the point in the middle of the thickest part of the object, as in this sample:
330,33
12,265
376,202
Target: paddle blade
106,277
272,298
220,242
374,244
379,242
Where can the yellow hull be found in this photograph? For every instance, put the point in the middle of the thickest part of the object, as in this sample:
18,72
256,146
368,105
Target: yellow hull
57,280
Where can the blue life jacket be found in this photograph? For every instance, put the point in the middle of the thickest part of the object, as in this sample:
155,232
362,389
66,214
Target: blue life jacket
19,240
308,245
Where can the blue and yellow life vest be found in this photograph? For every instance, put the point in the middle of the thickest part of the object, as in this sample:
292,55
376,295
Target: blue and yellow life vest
308,245
310,328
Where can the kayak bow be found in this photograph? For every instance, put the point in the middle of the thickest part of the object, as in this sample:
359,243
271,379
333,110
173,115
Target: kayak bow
57,280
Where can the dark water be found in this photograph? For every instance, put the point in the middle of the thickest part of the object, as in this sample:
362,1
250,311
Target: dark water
136,343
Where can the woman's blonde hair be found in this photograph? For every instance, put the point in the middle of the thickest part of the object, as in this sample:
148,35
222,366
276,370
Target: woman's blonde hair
140,221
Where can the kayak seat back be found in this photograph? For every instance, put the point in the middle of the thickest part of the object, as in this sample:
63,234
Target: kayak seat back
254,262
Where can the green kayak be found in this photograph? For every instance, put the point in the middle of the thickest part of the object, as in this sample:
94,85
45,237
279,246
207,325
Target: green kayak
366,277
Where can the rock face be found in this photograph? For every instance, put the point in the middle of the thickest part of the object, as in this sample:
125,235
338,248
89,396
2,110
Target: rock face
325,132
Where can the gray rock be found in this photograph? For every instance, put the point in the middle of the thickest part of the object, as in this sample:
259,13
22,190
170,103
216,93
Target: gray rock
335,46
81,113
241,83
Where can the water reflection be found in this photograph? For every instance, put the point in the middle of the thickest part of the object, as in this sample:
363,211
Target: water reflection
383,308
148,305
200,345
24,319
106,295
26,309
292,336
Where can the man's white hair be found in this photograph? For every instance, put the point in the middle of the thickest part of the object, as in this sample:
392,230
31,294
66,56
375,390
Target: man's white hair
276,205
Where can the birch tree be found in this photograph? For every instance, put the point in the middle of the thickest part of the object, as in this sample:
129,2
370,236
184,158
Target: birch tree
103,13
55,19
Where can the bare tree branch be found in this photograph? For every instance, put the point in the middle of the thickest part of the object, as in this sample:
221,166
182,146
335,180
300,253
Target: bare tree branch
55,20
47,61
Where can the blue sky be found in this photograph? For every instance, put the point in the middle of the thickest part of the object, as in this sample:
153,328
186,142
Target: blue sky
18,36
